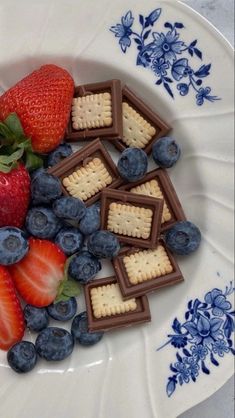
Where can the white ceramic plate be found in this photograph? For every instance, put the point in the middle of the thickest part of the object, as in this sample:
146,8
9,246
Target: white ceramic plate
125,376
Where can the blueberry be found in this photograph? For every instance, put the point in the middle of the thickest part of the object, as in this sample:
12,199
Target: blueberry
70,240
91,221
63,310
133,164
13,245
166,152
183,238
81,333
69,208
22,357
103,244
83,267
54,344
61,152
36,172
42,223
36,318
45,188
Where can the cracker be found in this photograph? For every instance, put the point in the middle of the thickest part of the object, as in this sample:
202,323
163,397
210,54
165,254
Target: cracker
107,301
151,188
137,132
132,221
147,265
88,180
92,111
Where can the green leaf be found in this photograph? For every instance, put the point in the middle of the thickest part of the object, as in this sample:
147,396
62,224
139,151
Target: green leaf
7,168
8,159
67,290
14,145
71,288
68,287
61,298
14,124
5,132
4,168
26,145
33,161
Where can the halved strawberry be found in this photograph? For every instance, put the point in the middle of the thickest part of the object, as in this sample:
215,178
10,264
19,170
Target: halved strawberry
38,276
11,315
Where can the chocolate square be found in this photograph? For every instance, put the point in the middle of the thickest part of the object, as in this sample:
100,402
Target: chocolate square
81,158
114,88
130,290
140,315
168,192
109,196
162,128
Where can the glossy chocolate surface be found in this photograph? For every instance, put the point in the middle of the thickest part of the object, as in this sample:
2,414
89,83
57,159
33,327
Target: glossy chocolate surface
81,158
140,315
168,191
130,290
109,196
116,129
162,128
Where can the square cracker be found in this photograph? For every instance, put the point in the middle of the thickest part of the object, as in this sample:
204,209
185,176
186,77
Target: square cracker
107,301
129,220
92,111
137,132
88,180
147,265
151,188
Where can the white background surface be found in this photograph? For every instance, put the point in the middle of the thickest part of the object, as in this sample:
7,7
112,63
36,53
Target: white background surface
221,14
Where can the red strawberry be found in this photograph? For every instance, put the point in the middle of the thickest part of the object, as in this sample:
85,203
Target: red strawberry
38,276
14,196
42,101
11,315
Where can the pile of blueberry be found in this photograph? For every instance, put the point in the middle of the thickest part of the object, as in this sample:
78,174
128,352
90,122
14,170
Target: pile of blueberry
76,230
52,343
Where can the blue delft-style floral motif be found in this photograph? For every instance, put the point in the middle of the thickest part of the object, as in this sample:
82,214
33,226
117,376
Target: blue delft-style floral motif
203,339
163,54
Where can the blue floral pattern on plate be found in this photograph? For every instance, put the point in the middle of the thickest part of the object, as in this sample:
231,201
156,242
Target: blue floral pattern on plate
165,55
203,338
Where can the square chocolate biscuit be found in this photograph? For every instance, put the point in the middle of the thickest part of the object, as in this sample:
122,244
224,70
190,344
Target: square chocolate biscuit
106,309
157,183
96,111
134,219
141,271
141,125
87,172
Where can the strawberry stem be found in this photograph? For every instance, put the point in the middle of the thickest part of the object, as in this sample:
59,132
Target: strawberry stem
15,146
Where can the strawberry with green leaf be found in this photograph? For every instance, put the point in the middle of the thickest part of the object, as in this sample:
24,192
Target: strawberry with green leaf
16,158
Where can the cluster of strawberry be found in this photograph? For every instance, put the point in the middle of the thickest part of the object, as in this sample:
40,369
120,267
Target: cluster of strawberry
33,118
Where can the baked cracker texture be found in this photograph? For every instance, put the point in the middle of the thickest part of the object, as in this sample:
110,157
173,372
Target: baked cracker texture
88,180
132,221
92,111
137,132
147,265
107,301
